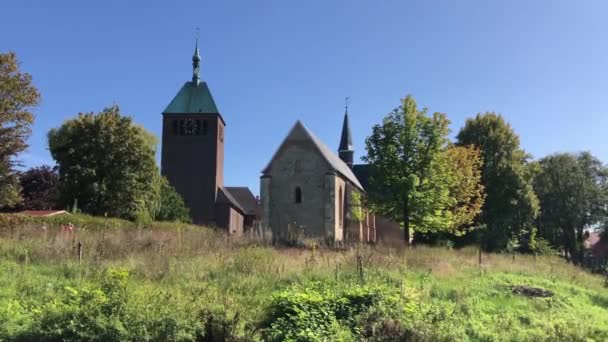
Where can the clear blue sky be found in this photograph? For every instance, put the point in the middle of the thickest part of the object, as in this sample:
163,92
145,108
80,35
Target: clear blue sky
542,64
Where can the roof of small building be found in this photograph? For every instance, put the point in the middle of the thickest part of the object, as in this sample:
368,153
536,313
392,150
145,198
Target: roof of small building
44,212
244,198
225,197
332,158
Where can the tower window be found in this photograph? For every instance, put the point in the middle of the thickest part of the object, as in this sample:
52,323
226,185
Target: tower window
197,127
205,127
298,195
175,127
182,127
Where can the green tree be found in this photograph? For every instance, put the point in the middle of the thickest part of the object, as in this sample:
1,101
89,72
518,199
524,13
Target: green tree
17,98
172,207
511,206
573,194
468,192
410,178
356,209
107,165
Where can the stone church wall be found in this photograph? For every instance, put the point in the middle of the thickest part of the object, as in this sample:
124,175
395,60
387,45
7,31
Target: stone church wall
297,165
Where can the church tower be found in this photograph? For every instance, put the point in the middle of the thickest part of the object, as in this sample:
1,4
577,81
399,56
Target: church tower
345,151
193,146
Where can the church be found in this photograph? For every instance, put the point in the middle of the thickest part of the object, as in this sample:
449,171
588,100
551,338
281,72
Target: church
192,158
306,190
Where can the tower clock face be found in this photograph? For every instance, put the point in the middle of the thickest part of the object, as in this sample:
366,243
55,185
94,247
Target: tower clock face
190,127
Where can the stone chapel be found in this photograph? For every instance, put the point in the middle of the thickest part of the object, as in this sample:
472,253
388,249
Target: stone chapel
306,190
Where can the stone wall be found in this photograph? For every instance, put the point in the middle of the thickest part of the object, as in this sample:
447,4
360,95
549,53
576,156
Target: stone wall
297,164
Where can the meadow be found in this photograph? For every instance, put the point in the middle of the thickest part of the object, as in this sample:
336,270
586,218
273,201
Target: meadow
176,282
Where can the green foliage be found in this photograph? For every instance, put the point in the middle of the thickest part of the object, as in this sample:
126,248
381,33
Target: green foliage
543,247
467,190
511,206
573,192
107,164
17,98
172,206
40,188
10,188
410,178
177,282
356,206
321,312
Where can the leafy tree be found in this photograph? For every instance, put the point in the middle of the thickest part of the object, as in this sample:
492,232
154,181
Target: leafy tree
410,178
466,189
573,193
40,188
172,207
511,206
17,98
356,209
107,165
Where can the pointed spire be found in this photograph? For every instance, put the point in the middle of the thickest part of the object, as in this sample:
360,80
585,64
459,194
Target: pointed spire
196,65
346,140
345,150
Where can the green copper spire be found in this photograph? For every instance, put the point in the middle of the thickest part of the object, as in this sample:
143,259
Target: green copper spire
196,65
194,97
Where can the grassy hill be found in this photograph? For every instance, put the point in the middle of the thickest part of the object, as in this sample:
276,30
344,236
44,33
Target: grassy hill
173,282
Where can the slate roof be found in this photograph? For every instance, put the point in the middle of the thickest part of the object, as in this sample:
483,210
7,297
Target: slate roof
225,197
245,199
192,99
346,140
362,172
332,159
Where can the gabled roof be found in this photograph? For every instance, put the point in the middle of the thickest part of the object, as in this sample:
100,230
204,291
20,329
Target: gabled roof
332,159
362,171
192,99
225,197
244,198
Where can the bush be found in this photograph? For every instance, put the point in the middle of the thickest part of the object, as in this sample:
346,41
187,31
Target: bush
320,312
172,206
543,247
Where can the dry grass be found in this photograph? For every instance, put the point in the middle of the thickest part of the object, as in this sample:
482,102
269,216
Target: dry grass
154,250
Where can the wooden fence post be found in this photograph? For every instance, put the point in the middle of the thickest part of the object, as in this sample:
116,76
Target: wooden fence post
79,251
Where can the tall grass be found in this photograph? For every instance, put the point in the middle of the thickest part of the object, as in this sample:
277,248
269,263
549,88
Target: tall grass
183,282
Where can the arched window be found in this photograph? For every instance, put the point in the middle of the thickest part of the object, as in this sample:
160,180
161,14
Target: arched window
340,208
298,195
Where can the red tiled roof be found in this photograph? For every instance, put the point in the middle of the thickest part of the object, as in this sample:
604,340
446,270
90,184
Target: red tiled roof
43,212
596,244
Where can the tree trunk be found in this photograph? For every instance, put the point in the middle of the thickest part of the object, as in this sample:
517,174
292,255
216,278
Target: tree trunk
406,221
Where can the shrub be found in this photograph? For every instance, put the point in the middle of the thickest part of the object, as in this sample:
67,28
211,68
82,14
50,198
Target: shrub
172,206
543,247
319,312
